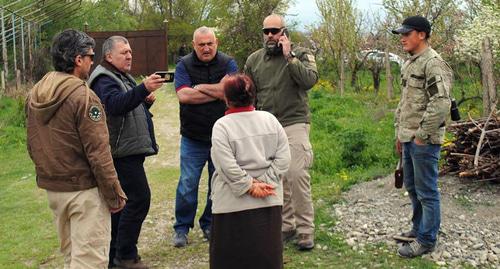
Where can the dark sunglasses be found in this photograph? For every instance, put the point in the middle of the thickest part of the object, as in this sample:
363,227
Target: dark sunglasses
273,31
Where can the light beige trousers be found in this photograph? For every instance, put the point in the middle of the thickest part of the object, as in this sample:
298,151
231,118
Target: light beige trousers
83,224
298,211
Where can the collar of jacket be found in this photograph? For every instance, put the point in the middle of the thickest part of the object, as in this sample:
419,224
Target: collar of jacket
239,109
197,61
115,70
268,57
414,57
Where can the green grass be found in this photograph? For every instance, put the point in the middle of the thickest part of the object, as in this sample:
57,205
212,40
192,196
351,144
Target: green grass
26,231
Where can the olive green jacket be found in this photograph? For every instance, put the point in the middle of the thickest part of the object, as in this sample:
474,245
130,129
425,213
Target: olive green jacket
425,98
281,85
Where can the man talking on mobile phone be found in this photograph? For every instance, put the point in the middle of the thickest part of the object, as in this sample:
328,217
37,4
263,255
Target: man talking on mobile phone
283,73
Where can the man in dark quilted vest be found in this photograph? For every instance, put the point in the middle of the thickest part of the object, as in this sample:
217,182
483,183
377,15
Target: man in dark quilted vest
131,136
199,78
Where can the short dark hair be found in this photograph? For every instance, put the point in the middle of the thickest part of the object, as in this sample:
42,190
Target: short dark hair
66,46
239,90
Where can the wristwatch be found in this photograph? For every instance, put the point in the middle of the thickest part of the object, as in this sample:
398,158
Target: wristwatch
290,57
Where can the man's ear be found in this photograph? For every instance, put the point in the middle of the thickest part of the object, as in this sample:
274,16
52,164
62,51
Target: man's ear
108,58
78,60
421,35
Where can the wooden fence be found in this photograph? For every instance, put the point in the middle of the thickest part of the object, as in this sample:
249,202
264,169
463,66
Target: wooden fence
149,49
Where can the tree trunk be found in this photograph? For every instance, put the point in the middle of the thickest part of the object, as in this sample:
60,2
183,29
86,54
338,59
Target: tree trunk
376,79
342,75
388,74
375,69
354,75
488,80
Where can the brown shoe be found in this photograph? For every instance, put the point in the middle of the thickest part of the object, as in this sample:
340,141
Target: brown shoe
288,236
305,241
130,264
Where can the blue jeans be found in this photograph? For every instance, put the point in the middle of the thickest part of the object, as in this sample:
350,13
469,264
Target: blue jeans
194,155
420,166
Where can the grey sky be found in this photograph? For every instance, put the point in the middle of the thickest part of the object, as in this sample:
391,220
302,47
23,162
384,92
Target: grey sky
306,12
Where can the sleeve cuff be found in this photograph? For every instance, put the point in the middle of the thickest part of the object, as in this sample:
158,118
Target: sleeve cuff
248,184
181,87
421,135
143,91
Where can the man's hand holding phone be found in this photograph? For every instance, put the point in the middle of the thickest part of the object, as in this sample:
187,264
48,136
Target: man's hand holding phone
285,43
166,75
153,82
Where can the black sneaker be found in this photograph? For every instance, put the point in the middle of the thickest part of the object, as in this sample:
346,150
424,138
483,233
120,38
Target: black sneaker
180,240
406,236
207,234
130,264
414,249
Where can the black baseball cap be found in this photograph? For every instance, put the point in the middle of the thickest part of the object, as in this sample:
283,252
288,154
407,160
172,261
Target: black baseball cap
418,23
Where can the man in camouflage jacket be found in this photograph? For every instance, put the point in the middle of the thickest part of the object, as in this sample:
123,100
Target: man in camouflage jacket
420,125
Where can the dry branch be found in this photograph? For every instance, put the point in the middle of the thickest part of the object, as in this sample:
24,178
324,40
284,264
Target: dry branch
475,151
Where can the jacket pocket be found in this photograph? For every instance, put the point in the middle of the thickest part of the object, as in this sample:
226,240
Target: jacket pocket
416,82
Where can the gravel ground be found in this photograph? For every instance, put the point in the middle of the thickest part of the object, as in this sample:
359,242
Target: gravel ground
372,212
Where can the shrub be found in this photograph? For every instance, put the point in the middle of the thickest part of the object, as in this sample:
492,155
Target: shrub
12,122
354,146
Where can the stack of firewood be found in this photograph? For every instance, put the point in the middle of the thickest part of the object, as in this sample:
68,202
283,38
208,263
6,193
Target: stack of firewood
475,151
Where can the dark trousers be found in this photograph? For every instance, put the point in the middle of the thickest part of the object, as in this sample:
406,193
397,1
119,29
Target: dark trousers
126,224
249,239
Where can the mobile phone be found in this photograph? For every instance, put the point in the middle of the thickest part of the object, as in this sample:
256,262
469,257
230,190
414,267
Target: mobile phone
167,75
285,33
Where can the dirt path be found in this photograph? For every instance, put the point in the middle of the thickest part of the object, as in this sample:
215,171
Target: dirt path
155,243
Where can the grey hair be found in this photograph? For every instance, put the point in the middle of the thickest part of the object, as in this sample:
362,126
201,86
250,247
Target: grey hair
109,44
66,46
203,30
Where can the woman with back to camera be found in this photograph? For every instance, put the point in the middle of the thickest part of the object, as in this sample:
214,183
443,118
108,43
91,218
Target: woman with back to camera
250,154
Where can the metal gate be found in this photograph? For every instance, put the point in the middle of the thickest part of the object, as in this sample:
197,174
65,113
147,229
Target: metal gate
149,49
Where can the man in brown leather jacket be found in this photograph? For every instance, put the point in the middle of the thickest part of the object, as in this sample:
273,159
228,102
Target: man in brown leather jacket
69,143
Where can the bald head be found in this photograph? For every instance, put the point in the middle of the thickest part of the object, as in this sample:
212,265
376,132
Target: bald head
274,21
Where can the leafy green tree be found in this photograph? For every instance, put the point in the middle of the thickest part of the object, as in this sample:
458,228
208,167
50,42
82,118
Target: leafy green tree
445,16
239,24
338,34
